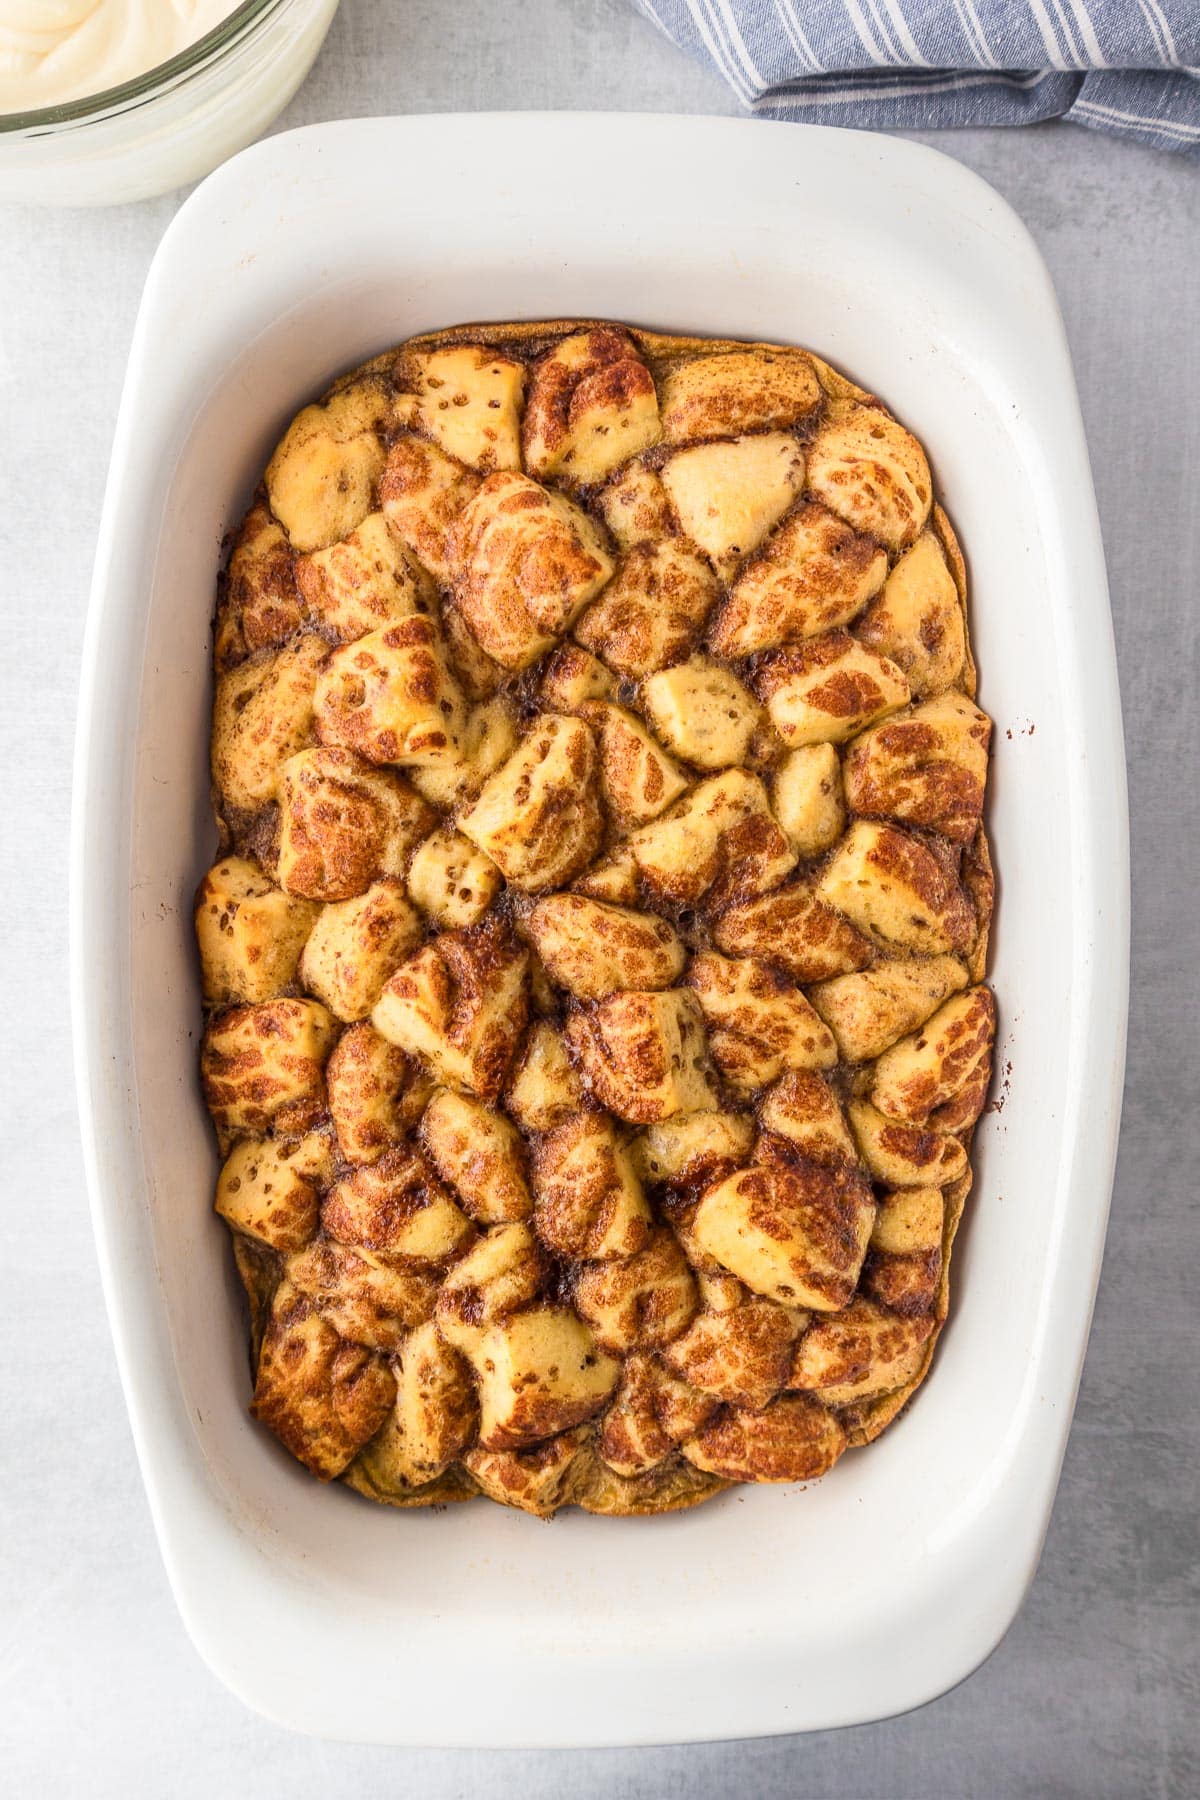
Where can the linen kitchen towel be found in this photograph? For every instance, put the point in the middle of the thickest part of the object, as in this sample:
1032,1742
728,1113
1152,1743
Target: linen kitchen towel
1126,66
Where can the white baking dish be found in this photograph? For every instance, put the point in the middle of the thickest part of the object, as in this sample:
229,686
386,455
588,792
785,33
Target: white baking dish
769,1609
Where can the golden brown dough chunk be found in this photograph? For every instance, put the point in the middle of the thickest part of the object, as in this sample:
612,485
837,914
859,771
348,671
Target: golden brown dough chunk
719,841
653,610
868,1011
271,1191
859,1354
928,1069
460,1006
902,1154
588,1201
742,1356
795,930
479,675
539,1372
321,1397
694,1147
391,697
451,881
792,1439
538,816
250,933
789,1228
592,949
735,391
368,1298
395,1207
468,400
343,825
487,741
354,946
644,1055
898,891
645,1299
759,1023
504,1271
321,480
543,1088
917,620
364,583
927,768
813,572
525,563
728,495
480,1154
258,1061
804,1109
421,495
573,676
635,507
702,712
435,1415
592,406
262,715
904,1261
376,1093
961,1110
808,799
638,780
825,690
873,473
613,878
651,1412
682,1410
533,1480
262,596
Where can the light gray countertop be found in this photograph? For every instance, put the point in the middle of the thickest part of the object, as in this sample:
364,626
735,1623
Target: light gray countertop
1096,1688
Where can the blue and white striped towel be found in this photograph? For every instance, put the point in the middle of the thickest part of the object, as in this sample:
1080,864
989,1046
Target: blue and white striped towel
1128,66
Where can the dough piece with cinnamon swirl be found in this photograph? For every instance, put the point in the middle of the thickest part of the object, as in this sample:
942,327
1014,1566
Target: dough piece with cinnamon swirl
593,955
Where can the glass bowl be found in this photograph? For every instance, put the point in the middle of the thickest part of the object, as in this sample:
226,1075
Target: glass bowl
171,124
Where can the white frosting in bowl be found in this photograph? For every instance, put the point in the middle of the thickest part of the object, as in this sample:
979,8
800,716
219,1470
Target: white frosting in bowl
53,51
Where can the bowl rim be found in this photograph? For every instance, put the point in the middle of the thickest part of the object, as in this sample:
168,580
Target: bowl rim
138,90
275,169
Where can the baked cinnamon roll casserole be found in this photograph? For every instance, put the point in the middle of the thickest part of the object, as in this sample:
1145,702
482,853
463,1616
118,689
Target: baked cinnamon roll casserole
593,964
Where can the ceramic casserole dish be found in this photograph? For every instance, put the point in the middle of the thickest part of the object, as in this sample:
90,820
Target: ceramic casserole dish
771,1609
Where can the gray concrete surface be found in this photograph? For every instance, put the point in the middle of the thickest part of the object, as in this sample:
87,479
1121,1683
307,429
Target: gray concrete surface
1095,1691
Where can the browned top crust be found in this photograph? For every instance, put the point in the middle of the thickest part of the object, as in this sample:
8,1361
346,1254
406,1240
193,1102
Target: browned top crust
595,1027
